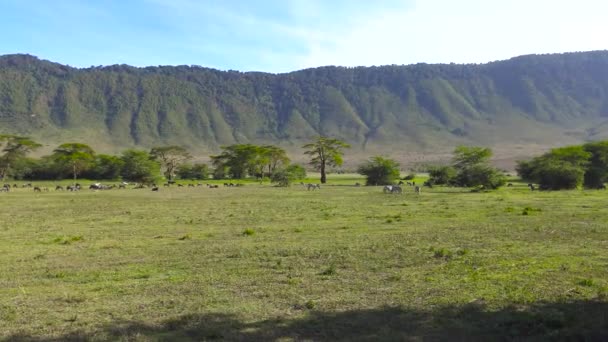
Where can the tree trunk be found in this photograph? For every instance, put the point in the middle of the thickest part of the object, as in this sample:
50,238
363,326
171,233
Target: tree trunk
323,176
74,168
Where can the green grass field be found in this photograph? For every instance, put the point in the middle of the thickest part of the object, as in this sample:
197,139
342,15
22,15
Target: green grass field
341,263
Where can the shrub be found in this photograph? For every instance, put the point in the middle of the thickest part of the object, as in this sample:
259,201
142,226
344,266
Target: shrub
284,177
441,175
380,171
248,232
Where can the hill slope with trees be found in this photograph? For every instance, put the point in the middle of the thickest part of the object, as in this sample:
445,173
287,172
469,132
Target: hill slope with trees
537,99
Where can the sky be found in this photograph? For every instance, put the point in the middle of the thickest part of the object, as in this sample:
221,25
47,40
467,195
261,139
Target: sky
286,35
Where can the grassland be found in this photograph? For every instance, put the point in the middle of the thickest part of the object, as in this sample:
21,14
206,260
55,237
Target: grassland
265,263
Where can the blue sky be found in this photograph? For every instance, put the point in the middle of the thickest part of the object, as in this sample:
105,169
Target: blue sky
286,35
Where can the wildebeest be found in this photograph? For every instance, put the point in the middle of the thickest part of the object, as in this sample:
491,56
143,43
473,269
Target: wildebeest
154,188
400,183
191,185
58,188
510,185
6,188
417,189
37,189
531,186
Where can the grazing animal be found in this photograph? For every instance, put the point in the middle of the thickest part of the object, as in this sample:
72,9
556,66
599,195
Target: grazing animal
396,190
37,189
311,186
122,186
531,186
428,184
240,184
191,185
58,188
387,189
180,185
409,183
400,183
357,184
510,185
6,188
199,184
603,187
417,189
15,185
154,188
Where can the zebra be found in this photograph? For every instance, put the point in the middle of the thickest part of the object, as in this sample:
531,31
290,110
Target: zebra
396,190
311,186
387,189
417,189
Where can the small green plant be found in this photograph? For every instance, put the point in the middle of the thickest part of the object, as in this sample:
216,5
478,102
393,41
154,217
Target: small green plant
248,232
442,253
587,282
310,305
331,270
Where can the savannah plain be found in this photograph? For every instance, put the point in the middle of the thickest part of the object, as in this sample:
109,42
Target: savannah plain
341,263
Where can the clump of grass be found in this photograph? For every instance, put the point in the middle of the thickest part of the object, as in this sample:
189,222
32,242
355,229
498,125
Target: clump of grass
66,240
442,253
331,270
389,220
185,237
530,210
394,277
310,304
587,282
462,252
298,230
248,232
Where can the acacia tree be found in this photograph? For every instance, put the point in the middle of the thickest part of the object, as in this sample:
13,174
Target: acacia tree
246,159
78,156
14,148
325,152
277,157
170,158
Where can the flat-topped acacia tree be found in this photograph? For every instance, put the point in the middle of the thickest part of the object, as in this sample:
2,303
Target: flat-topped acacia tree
14,148
78,156
325,152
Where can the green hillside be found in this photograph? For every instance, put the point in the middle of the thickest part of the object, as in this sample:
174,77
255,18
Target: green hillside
530,100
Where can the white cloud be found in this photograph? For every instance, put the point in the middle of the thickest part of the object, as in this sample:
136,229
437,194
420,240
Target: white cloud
463,31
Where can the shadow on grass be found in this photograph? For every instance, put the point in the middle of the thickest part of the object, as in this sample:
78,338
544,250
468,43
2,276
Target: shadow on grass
572,321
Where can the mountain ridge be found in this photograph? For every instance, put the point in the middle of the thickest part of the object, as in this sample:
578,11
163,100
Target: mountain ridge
544,100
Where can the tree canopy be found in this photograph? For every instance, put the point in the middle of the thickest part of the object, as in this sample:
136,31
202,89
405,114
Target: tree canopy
325,152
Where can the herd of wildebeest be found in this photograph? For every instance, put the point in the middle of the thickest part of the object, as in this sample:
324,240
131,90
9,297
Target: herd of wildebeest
388,189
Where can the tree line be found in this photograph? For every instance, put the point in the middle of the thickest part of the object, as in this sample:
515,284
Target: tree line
77,160
561,168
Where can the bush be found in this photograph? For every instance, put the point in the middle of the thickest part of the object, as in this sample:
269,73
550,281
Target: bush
480,175
380,171
560,175
441,175
285,177
193,171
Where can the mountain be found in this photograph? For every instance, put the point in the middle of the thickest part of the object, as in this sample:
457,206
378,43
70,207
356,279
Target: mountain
535,100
